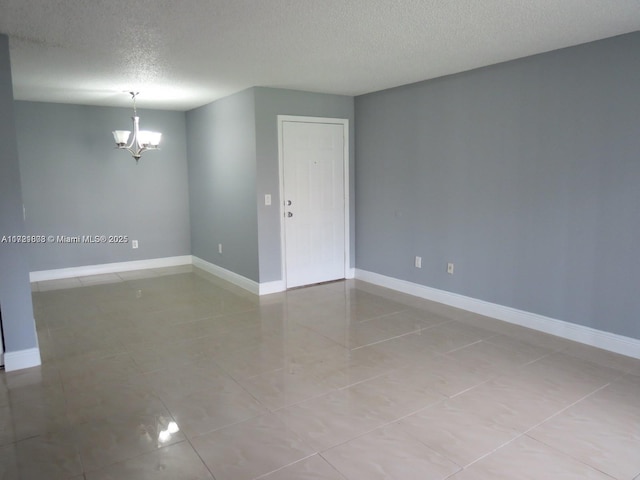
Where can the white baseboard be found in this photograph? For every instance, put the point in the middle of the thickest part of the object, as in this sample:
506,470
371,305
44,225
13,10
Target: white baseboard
231,277
251,286
272,287
83,271
87,270
27,358
590,336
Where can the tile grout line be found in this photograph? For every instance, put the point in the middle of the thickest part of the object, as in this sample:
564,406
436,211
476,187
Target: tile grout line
526,433
568,455
285,466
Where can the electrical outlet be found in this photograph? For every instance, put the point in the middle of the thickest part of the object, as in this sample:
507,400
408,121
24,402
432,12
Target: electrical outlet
134,243
219,248
267,199
450,268
418,262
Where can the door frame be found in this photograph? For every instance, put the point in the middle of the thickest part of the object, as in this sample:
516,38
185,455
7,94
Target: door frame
1,341
347,203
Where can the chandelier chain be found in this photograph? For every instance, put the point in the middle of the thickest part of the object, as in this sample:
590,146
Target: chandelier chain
133,97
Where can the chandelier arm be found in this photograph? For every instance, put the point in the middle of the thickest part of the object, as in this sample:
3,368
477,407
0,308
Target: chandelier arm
134,133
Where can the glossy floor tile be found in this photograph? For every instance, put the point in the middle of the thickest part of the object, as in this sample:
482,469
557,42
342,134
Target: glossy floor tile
310,468
173,374
462,435
389,453
251,448
527,459
592,433
177,461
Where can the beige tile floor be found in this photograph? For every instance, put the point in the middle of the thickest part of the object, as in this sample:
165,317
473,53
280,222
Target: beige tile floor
170,374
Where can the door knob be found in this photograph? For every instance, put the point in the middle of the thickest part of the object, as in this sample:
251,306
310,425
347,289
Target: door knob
289,214
288,203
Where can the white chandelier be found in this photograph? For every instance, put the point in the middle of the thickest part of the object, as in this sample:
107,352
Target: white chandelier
141,141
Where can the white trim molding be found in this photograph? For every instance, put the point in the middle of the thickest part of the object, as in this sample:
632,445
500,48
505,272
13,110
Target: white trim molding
20,359
590,336
231,277
117,267
267,288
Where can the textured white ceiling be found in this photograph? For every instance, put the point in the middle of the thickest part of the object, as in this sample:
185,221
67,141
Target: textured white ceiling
181,54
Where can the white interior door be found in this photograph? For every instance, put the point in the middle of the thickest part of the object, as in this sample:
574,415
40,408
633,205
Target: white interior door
314,187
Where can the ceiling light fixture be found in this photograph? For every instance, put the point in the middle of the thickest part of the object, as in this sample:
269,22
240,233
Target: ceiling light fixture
141,141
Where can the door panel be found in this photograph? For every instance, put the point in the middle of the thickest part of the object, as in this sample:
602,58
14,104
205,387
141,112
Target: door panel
313,166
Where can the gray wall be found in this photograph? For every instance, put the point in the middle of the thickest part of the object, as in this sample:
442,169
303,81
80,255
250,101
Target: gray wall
15,292
75,182
222,183
233,163
526,175
270,103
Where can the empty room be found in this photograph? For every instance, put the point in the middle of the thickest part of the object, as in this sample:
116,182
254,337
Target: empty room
319,240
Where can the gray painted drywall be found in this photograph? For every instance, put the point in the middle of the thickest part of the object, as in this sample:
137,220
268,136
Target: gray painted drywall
269,103
15,292
222,183
74,182
233,163
526,175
